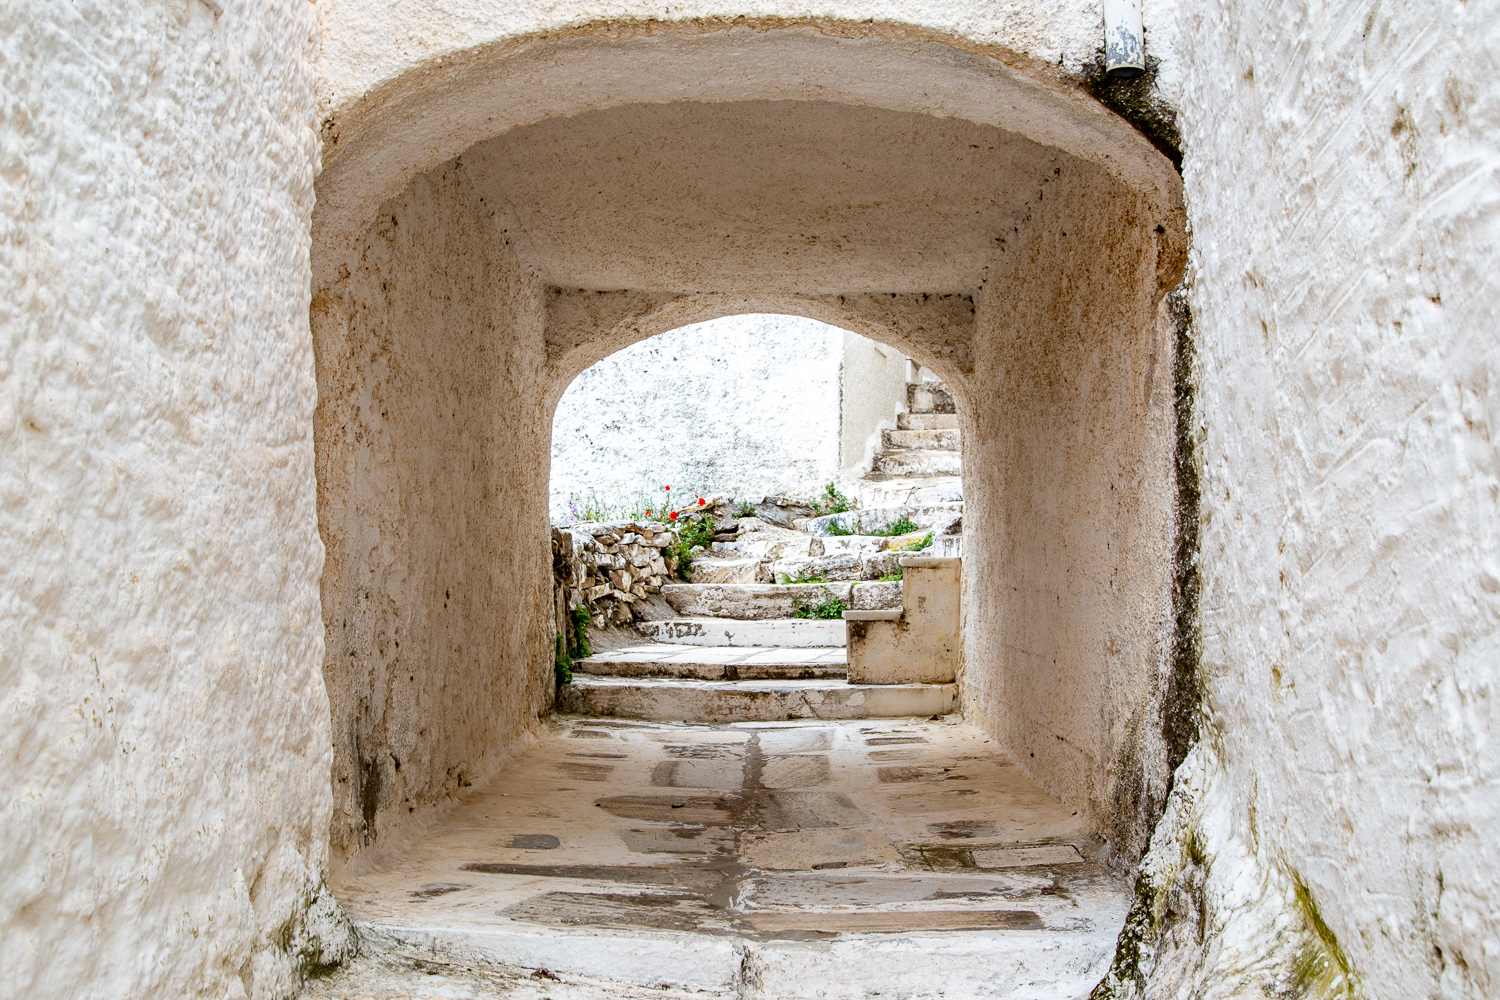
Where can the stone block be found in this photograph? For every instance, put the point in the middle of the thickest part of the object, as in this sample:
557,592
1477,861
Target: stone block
725,570
875,596
921,643
748,601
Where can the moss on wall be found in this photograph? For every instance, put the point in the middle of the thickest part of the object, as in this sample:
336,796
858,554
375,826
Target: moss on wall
1139,102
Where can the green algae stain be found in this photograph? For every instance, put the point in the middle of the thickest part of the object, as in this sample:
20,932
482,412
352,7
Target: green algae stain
1321,969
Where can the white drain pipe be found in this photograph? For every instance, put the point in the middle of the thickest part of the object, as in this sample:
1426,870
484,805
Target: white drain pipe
1124,39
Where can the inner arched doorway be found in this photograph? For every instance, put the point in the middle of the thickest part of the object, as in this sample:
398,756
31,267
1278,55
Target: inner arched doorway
477,244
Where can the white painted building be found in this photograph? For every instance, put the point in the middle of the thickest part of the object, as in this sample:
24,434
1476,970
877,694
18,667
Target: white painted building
288,292
747,405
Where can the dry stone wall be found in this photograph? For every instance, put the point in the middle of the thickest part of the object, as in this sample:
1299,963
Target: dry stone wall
607,568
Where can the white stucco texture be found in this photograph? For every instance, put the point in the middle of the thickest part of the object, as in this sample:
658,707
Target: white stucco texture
1343,181
164,745
747,405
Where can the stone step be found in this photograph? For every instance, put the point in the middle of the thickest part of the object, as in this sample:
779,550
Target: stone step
673,700
929,397
945,519
798,633
707,569
927,422
933,440
716,663
892,491
759,601
907,462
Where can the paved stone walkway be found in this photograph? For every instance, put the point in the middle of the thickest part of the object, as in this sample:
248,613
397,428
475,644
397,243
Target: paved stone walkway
899,858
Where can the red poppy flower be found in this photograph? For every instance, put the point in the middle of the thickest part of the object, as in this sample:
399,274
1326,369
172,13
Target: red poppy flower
701,501
648,513
666,487
674,515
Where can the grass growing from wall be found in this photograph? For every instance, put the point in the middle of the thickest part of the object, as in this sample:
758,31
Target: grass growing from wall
800,578
562,663
572,645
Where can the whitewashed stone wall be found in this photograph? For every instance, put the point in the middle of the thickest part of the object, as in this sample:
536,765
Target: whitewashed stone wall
164,738
746,404
1343,182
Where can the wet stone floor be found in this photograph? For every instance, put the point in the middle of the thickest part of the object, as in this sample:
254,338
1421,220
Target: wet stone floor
896,858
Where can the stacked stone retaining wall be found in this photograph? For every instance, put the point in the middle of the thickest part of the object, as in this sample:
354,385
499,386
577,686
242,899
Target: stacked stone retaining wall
607,568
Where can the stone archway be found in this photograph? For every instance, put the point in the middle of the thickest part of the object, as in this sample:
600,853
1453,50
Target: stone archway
487,229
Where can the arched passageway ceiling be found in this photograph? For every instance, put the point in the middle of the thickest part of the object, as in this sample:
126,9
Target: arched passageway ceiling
809,197
584,327
376,143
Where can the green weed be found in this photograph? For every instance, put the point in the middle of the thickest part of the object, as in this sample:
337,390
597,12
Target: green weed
690,537
562,665
832,502
829,608
905,526
800,578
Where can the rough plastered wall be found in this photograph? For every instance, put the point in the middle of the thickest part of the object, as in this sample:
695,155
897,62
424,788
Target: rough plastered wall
1067,431
745,404
1337,825
432,477
873,393
368,42
164,741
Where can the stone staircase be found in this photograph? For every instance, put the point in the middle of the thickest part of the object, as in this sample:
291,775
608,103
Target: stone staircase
734,649
920,462
738,653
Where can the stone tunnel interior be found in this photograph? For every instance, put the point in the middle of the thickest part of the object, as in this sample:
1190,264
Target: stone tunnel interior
1006,233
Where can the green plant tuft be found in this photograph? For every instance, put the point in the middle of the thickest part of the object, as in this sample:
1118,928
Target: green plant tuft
894,577
800,578
828,608
832,502
904,526
834,528
690,537
744,509
581,620
562,664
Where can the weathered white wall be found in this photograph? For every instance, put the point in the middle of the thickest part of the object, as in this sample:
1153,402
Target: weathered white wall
164,743
1068,494
874,392
745,404
370,42
1343,181
431,451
